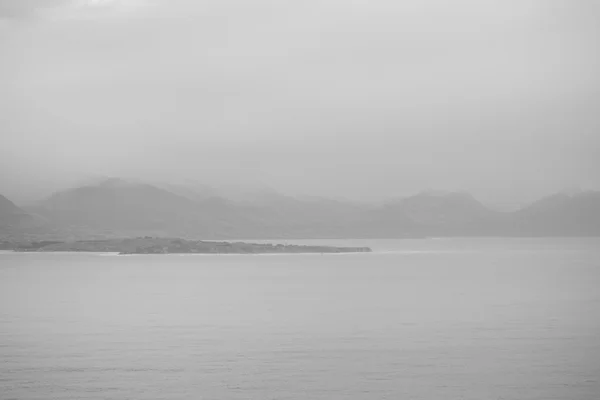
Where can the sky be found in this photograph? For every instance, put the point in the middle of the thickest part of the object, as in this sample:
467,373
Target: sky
361,99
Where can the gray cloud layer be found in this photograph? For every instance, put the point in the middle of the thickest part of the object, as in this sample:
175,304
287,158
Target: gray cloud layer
24,8
353,98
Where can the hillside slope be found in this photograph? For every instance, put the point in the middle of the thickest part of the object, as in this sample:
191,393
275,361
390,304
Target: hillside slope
118,207
14,219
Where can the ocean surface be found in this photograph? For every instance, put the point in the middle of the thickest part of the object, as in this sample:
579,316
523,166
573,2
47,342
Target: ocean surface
436,319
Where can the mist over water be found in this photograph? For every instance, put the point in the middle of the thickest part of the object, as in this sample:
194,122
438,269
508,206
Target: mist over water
416,319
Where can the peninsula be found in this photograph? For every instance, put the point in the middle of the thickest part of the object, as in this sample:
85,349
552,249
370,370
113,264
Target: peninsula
152,245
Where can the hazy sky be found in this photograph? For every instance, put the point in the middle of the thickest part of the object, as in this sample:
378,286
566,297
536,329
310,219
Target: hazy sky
356,98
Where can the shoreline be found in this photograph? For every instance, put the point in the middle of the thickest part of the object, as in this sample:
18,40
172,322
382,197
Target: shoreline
116,254
151,245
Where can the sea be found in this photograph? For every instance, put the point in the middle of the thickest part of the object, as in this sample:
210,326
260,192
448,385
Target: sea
422,319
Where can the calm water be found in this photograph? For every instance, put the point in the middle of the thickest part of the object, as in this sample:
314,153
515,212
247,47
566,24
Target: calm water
484,319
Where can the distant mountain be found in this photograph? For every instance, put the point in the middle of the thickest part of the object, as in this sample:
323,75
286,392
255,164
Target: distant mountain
442,209
439,213
244,195
15,218
459,214
117,206
8,208
123,206
120,207
192,191
560,215
287,216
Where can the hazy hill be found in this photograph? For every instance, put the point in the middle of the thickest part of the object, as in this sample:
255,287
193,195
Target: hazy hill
434,213
15,218
315,217
120,206
10,214
192,191
560,215
431,208
116,206
235,194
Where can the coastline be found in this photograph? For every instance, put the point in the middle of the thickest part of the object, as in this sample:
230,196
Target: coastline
151,245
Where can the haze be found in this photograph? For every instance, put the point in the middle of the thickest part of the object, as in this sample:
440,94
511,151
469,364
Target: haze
357,99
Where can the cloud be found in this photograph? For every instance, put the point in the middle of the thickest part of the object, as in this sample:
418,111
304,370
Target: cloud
19,9
27,8
109,4
346,97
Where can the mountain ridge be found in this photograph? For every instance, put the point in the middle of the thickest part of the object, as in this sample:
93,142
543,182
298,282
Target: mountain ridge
13,217
117,206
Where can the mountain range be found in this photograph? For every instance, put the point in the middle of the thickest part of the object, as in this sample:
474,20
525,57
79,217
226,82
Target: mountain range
116,207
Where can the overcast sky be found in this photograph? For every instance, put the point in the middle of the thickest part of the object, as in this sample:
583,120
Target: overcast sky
357,98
